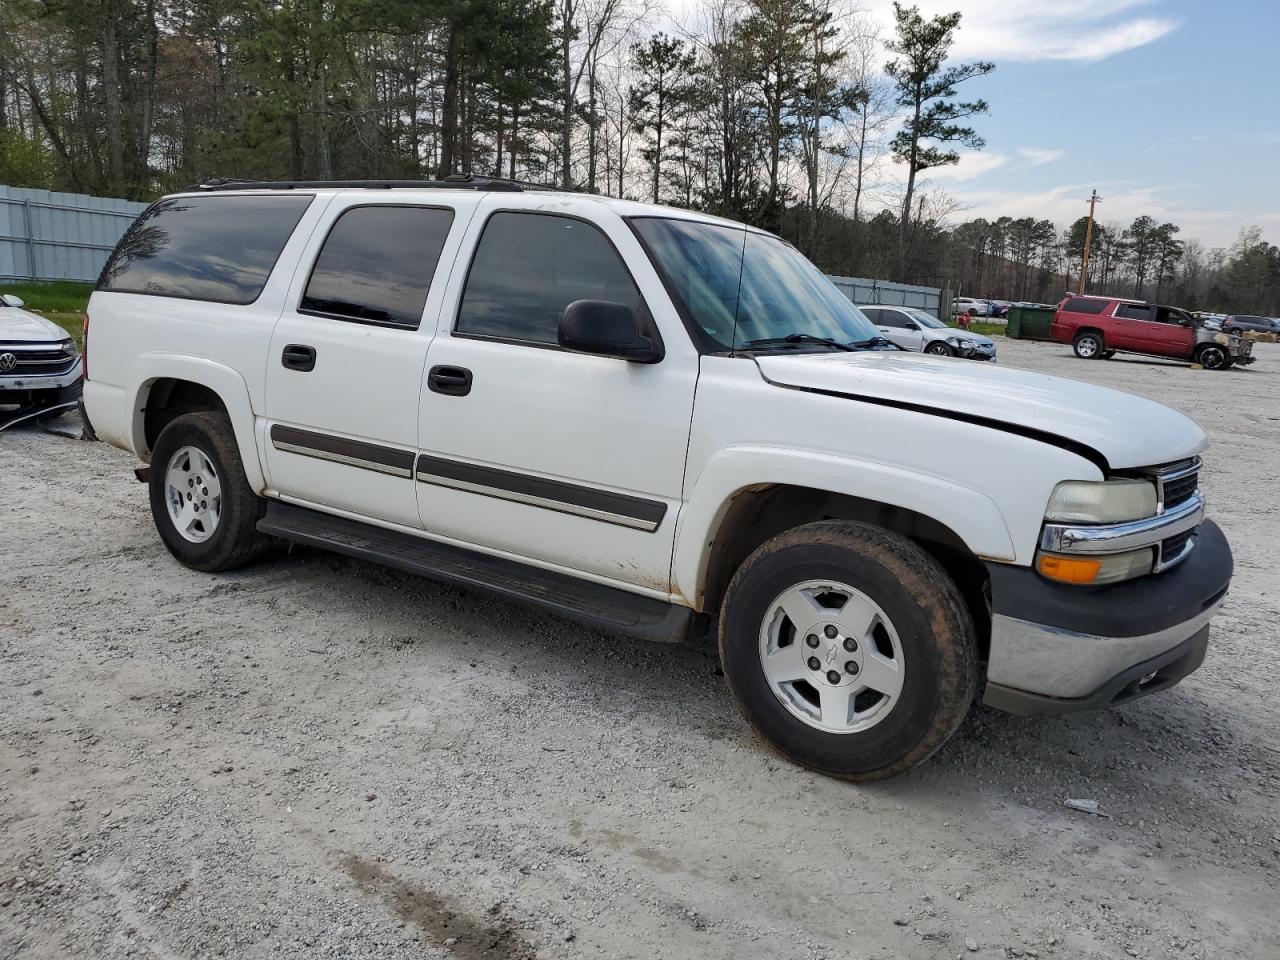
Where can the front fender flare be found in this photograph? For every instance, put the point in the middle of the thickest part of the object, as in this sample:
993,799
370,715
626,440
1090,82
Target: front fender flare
970,514
226,382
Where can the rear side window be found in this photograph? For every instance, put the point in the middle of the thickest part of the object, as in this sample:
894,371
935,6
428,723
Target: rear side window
376,265
217,248
529,266
1081,305
1134,311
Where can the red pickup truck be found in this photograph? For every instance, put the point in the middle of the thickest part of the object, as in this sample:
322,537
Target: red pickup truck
1102,326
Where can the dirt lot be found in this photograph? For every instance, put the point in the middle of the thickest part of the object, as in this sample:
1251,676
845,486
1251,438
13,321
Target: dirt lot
315,758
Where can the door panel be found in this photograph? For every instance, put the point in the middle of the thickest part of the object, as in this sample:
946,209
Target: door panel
560,457
348,354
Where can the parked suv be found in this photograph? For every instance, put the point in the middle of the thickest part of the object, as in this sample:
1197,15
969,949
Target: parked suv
39,363
916,330
1242,324
649,420
1102,326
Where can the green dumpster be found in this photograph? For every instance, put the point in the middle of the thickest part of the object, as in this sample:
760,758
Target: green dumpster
1029,321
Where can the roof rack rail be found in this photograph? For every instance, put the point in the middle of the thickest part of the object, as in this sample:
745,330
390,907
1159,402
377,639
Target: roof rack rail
454,182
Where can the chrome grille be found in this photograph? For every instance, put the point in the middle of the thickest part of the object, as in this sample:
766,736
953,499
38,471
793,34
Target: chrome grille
37,361
1177,482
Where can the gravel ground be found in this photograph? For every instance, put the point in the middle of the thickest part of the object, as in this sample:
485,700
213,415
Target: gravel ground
319,758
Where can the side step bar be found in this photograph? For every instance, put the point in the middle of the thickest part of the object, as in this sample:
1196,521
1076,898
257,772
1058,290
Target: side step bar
592,604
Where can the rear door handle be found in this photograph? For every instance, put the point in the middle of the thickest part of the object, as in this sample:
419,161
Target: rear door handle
298,356
451,381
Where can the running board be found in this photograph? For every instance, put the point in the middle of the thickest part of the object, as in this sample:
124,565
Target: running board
592,604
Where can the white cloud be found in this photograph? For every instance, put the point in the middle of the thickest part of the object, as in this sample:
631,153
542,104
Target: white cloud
971,165
1083,30
1037,156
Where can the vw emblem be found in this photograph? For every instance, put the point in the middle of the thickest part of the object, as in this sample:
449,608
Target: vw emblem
7,362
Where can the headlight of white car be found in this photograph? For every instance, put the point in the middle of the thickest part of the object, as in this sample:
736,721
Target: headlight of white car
1109,501
69,348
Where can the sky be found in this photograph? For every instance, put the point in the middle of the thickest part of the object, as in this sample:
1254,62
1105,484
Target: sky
1166,107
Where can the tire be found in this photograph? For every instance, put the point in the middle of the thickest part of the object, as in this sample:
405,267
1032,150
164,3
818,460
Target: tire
1211,356
918,636
223,534
939,349
1089,346
973,311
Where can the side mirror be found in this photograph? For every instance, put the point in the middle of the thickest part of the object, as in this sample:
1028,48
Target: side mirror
11,300
607,329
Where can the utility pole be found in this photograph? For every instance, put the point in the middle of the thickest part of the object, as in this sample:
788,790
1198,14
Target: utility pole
1088,239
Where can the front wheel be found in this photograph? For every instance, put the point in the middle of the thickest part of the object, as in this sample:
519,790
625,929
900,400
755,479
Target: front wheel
1089,346
939,349
203,507
1213,357
848,649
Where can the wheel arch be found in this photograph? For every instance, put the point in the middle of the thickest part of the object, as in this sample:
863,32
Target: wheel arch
759,513
169,386
1082,330
725,519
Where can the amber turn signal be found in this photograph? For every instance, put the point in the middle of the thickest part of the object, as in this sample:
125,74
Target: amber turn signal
1069,569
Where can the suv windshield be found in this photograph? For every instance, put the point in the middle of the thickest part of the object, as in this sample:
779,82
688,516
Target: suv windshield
746,290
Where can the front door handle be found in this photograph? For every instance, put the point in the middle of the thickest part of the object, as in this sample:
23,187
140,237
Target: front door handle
451,381
298,356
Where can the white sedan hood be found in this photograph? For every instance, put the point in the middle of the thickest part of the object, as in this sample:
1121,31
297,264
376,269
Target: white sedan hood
19,326
1129,431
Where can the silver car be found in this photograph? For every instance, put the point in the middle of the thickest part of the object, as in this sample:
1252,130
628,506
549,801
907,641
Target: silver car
914,329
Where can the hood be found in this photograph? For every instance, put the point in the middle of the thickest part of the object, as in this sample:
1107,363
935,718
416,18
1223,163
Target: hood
19,326
1127,430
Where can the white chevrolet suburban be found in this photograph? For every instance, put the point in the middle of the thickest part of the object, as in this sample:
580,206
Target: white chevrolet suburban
649,420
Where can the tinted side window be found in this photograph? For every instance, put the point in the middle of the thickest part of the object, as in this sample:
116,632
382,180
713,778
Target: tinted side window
377,263
219,248
529,266
1133,311
1081,305
892,318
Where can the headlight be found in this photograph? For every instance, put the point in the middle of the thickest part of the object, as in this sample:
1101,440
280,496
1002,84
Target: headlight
1110,501
1093,571
69,348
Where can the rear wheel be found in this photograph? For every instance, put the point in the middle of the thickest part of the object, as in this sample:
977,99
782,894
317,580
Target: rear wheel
201,502
848,649
1089,346
939,349
1213,357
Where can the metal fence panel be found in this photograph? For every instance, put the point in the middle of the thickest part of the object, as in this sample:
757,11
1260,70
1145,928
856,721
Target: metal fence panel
865,291
46,235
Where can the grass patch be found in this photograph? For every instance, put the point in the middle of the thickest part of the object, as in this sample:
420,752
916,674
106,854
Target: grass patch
986,329
57,296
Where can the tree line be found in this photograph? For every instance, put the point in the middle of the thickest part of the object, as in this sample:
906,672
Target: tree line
800,116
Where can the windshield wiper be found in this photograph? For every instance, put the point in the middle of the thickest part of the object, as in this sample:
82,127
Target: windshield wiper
797,338
871,342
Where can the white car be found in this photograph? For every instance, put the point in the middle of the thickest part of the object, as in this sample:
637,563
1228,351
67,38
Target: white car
974,308
921,332
39,363
650,421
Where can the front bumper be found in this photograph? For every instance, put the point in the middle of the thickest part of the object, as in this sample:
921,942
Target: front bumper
11,383
1058,648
